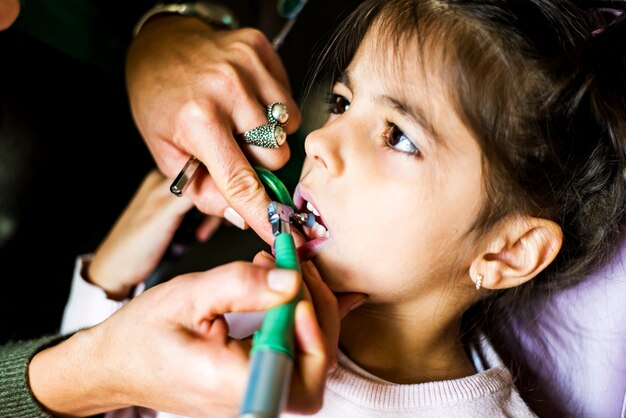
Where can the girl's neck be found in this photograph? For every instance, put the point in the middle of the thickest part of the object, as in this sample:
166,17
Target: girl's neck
404,348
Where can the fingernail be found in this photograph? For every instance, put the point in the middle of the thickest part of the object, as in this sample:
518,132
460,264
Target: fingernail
357,303
267,255
345,310
281,280
234,218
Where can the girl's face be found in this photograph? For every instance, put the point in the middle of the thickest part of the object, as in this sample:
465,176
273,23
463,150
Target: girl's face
396,179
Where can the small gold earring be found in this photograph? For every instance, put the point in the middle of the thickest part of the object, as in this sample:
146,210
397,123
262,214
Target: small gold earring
479,281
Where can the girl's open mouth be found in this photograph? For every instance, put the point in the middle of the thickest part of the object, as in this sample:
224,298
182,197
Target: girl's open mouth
318,232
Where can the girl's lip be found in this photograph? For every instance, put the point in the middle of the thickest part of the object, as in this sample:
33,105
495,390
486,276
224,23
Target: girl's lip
309,249
300,198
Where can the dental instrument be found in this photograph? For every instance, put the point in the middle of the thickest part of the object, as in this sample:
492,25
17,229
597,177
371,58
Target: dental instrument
289,9
273,346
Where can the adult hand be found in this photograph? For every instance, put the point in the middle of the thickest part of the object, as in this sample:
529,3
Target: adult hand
168,349
192,90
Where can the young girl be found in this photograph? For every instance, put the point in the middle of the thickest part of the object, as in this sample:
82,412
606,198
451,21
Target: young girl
476,149
472,157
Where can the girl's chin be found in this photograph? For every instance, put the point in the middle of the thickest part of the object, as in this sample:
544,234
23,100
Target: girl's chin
310,249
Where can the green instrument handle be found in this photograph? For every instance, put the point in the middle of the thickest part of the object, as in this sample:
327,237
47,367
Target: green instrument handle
276,333
270,180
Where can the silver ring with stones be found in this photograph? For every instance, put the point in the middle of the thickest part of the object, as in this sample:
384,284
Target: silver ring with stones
272,134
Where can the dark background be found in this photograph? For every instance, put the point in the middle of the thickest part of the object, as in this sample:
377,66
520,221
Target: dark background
70,161
71,157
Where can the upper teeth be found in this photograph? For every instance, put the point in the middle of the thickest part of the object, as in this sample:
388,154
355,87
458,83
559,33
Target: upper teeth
316,230
310,207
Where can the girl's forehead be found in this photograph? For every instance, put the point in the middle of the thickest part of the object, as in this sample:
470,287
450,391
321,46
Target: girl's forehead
396,64
401,71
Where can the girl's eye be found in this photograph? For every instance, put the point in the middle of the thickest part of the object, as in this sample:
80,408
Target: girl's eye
397,140
337,104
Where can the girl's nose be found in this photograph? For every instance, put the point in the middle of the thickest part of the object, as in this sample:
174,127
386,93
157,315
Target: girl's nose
322,147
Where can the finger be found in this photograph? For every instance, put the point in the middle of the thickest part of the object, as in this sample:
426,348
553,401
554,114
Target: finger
270,158
306,294
207,228
268,90
268,55
218,330
264,259
205,194
349,301
326,306
251,89
237,287
208,198
169,158
233,175
215,329
250,111
311,360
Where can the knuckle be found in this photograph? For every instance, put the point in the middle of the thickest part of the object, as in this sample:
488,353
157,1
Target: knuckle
174,289
190,114
245,273
204,202
245,50
254,37
239,269
228,76
242,185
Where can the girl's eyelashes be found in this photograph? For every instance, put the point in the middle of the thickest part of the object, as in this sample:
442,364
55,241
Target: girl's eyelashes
393,137
396,139
337,104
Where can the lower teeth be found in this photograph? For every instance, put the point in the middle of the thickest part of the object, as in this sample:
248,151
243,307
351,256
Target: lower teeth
319,231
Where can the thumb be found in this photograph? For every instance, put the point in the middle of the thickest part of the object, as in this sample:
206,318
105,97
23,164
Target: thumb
240,287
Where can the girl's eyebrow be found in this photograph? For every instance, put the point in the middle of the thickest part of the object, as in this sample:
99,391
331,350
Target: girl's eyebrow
415,113
344,78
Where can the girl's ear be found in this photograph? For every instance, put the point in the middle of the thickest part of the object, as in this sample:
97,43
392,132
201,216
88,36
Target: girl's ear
521,249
